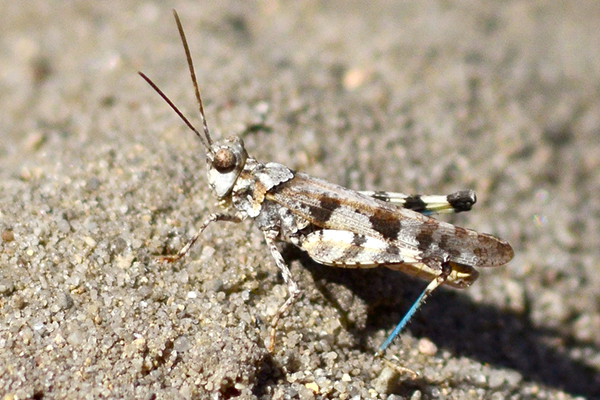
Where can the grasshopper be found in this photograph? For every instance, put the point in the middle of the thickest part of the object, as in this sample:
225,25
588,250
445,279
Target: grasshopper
337,226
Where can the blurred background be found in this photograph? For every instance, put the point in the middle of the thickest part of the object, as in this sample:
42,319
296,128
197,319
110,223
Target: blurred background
97,175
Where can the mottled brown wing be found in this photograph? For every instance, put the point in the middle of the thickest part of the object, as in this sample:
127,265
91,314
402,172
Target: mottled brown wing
331,206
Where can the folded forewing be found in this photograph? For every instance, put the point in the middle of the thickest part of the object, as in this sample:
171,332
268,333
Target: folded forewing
334,207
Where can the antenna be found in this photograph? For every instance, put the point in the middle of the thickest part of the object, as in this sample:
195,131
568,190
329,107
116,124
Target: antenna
174,107
193,76
205,139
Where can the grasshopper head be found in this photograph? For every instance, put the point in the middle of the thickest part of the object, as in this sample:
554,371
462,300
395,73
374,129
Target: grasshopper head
225,160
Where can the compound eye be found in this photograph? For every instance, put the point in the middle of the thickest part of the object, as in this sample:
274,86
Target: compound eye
224,161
